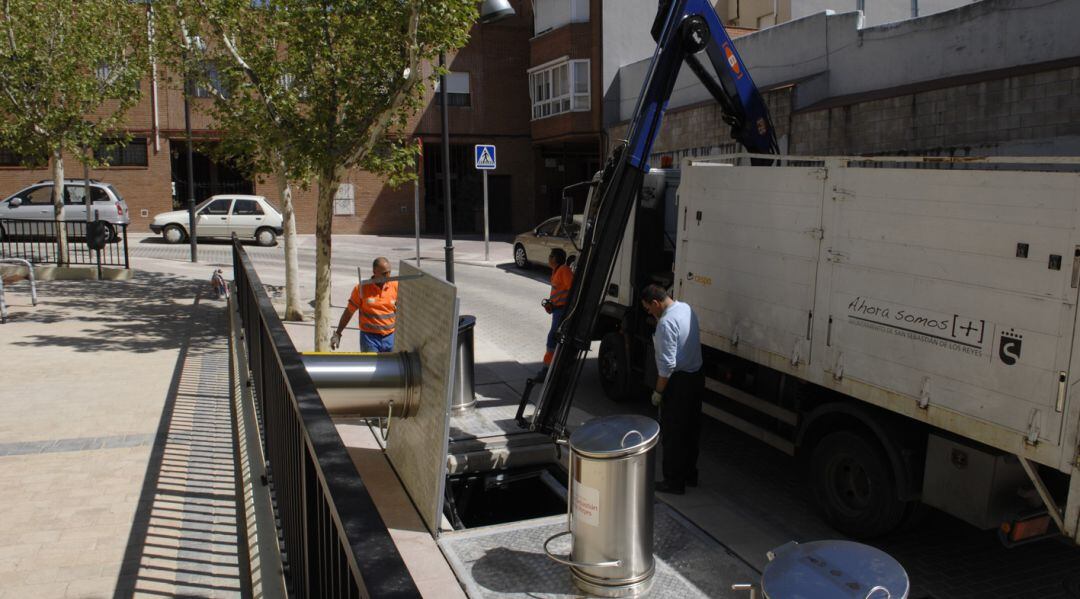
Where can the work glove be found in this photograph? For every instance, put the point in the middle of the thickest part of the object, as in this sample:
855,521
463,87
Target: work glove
548,307
657,398
335,341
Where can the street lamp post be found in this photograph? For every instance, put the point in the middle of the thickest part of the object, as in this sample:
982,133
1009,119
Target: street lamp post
490,12
190,172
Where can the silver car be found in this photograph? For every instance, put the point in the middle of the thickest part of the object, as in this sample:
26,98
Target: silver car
533,247
250,217
35,203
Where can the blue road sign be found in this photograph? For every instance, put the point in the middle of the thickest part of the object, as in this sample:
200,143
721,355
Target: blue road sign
485,157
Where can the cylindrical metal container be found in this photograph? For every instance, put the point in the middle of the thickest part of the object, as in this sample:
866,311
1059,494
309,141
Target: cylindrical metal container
366,384
464,365
826,569
611,505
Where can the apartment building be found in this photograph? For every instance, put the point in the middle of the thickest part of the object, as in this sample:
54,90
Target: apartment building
488,93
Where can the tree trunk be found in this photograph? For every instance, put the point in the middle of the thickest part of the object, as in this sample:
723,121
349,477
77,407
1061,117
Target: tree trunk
58,208
328,181
294,310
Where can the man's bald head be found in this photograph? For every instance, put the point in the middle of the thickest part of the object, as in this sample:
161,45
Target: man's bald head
380,264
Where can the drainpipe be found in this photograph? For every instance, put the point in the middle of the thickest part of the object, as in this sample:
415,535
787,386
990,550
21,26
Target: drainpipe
153,78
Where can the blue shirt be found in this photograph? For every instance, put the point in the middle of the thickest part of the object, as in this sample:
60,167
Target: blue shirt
676,342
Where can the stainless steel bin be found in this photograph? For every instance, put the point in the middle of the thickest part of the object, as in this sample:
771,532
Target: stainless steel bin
464,366
610,504
825,569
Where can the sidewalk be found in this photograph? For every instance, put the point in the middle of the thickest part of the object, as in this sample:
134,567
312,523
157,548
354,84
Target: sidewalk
116,471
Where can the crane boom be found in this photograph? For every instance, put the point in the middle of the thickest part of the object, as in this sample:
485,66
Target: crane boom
685,31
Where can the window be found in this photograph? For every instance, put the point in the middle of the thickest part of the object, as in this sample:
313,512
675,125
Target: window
217,207
552,14
9,158
246,208
548,228
38,196
559,88
458,86
211,76
131,154
344,200
76,194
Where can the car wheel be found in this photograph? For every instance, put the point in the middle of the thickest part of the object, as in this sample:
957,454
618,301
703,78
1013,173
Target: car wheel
613,362
174,234
853,484
265,237
110,233
520,259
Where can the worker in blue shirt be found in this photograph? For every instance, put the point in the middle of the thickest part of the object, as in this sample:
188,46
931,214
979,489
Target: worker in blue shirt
680,384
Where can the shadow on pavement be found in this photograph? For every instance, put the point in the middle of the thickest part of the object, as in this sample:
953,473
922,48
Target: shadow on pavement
539,274
184,538
137,315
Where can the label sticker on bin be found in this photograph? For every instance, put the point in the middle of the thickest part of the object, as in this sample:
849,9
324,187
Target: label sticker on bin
586,504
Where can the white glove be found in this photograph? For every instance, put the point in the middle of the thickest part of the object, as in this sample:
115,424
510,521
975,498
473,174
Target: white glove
657,398
335,340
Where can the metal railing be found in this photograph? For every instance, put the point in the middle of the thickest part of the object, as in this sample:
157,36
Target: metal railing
37,241
334,543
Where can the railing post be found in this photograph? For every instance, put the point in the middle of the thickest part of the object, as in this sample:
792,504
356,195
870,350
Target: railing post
127,259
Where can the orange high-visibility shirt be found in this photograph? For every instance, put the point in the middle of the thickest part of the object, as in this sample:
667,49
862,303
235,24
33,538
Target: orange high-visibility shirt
378,307
561,281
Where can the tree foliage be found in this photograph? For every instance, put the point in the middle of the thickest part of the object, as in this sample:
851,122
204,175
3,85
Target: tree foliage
325,86
69,71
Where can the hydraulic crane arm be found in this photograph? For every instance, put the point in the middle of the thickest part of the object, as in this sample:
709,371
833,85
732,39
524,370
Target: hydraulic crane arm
684,30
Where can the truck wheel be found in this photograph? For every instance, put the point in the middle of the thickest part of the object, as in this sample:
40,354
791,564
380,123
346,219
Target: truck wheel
614,365
853,484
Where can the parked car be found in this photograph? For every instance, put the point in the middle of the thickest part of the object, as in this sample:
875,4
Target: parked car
533,247
250,217
35,203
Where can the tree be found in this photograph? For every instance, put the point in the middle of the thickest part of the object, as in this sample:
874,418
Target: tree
252,98
69,70
353,74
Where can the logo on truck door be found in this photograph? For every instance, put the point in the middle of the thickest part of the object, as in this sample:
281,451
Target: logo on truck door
1009,346
954,332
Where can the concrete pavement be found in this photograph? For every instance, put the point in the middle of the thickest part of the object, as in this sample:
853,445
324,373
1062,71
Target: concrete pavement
115,444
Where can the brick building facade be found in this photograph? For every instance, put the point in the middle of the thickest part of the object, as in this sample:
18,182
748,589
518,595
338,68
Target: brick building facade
496,110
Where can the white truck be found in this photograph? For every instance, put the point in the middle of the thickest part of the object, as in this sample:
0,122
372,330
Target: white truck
906,325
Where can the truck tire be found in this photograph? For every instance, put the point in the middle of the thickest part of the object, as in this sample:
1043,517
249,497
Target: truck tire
853,484
613,362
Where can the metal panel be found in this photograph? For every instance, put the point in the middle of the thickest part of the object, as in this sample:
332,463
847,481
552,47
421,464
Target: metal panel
927,297
747,255
417,447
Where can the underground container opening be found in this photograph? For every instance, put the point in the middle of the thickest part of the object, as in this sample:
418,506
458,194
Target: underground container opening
483,499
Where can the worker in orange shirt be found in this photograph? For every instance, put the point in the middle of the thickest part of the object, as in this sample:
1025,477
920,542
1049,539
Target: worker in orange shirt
562,278
377,303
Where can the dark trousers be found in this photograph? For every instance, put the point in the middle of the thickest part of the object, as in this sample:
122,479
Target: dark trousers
680,425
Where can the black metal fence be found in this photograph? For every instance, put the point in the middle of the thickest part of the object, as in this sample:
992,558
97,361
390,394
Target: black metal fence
334,542
37,241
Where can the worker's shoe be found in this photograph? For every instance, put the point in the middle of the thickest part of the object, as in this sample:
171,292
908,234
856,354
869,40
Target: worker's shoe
665,486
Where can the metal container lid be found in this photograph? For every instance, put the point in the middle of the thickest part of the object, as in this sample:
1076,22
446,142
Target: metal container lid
615,436
827,569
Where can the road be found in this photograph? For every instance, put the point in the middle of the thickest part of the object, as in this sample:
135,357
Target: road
752,497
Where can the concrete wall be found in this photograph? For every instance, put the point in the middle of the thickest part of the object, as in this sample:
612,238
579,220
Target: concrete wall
830,56
875,12
625,33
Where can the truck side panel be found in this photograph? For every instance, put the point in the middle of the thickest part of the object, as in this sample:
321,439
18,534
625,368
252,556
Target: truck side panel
927,297
747,256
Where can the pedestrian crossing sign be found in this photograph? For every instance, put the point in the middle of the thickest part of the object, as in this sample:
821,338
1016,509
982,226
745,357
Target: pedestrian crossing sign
485,157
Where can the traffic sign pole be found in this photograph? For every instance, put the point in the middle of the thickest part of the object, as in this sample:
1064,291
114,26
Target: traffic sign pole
485,161
486,254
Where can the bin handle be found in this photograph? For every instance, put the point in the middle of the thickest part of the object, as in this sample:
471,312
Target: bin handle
568,562
622,443
874,590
